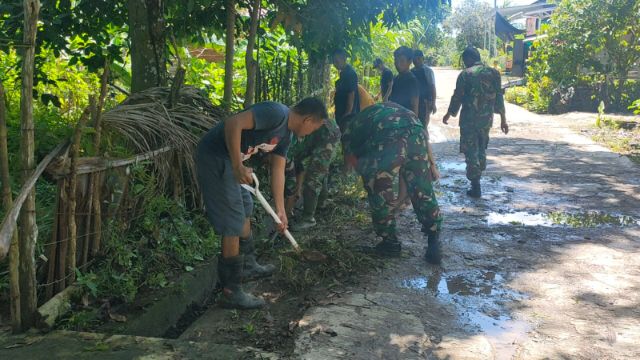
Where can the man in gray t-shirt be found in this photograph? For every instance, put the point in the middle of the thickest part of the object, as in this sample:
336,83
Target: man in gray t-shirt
265,128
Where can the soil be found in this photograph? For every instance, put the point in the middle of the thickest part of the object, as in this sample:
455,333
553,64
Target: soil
544,266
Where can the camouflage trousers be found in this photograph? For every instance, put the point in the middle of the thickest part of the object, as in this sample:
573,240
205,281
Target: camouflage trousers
473,144
315,183
404,156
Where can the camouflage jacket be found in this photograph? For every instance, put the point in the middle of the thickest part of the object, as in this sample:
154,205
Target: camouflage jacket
479,93
377,125
327,135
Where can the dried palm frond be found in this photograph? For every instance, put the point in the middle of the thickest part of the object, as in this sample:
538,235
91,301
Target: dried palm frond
147,122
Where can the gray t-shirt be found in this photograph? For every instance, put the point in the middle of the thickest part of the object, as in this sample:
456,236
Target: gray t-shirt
271,133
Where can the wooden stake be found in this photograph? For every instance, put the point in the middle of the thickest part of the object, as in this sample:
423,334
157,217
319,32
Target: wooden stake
73,182
28,229
96,179
7,202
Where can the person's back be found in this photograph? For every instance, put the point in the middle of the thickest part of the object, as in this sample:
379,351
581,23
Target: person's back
482,96
479,93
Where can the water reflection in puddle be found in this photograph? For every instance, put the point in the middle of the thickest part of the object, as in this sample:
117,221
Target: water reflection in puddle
452,166
478,296
577,220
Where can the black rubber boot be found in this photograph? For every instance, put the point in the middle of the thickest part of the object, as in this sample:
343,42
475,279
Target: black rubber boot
309,209
252,269
475,191
389,247
230,275
433,255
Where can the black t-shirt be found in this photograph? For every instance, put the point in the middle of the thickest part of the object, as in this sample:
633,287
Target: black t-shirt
425,78
271,133
405,87
347,83
385,79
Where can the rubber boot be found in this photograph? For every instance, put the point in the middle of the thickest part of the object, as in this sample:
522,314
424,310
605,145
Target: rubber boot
310,203
230,275
252,269
433,255
475,191
389,247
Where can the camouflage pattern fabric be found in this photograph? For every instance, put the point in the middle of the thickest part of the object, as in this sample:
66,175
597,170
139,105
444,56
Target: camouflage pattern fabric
479,94
313,155
389,141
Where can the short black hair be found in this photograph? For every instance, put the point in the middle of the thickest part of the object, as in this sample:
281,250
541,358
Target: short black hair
404,51
418,53
311,106
377,62
339,52
471,54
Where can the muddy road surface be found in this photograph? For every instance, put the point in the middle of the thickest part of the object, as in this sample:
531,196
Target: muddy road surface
544,266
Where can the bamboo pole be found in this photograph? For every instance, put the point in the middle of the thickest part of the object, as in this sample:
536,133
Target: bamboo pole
96,179
7,202
230,8
73,182
28,230
63,231
53,244
250,63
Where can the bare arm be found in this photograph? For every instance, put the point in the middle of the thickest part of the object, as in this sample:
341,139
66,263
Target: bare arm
415,101
278,164
233,127
385,97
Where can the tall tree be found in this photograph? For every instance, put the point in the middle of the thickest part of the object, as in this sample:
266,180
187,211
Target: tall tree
250,62
148,44
472,20
28,227
230,39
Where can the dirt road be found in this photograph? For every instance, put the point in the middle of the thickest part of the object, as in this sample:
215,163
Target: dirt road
546,265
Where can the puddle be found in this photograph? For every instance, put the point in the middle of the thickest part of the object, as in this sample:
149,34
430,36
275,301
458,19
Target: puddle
478,297
504,333
576,220
452,166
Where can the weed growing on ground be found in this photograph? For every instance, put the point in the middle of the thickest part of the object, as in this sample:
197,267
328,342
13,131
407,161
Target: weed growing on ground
341,226
621,136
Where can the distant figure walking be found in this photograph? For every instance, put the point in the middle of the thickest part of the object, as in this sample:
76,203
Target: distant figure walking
479,93
427,87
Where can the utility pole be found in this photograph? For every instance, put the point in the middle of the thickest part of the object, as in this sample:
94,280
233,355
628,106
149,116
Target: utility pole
495,40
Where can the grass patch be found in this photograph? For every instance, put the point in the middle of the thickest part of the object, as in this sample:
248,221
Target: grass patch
621,136
343,224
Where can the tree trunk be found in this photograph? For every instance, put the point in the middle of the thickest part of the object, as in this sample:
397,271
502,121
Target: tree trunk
7,202
148,56
28,228
318,77
250,62
230,6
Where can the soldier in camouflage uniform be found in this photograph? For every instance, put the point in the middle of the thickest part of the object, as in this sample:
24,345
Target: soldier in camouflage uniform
309,163
479,93
383,142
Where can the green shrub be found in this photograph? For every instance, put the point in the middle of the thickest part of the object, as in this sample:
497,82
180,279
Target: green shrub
518,95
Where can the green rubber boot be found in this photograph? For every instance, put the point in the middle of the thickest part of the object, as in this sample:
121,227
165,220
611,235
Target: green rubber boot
309,210
252,269
230,275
